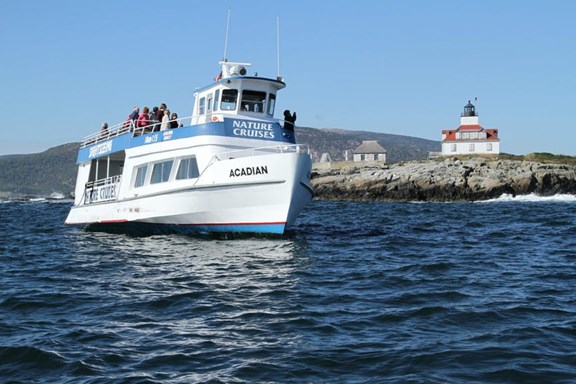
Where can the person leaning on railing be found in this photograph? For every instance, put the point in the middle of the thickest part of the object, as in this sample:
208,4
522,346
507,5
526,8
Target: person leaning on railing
104,130
174,121
143,118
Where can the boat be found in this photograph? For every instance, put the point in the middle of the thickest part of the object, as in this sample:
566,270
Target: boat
230,167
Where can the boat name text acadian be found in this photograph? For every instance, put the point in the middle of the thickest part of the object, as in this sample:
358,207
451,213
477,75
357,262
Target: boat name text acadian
249,171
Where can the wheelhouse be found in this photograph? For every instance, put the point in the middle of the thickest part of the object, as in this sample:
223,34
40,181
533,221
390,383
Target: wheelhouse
233,93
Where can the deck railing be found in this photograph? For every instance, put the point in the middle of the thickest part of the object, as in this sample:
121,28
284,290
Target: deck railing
127,126
298,148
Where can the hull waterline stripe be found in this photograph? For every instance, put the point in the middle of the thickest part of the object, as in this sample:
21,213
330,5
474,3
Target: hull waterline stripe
263,227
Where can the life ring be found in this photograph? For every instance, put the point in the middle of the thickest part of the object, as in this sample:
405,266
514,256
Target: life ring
214,118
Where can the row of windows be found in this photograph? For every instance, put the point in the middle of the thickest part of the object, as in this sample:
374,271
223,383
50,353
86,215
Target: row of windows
470,135
251,101
472,148
161,171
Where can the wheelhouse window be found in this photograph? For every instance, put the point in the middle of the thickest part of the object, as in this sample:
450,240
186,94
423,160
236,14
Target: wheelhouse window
271,104
229,99
253,101
216,99
188,169
161,172
210,103
202,106
140,176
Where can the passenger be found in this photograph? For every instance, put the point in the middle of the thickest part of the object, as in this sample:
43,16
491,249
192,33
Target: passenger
135,114
165,121
143,118
160,115
154,117
289,120
132,118
174,120
104,130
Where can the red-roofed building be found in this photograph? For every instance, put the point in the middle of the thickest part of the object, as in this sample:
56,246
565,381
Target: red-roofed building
470,137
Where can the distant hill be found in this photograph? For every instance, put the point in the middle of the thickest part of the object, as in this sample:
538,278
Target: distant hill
54,170
337,141
40,174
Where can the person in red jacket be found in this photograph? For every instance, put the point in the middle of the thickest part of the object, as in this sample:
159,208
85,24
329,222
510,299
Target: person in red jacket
143,118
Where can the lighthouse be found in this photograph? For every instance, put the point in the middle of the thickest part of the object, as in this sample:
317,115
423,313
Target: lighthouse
470,138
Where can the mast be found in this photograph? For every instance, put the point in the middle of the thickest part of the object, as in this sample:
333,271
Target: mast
226,38
278,46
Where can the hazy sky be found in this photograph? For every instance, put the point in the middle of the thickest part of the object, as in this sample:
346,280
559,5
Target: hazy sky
401,67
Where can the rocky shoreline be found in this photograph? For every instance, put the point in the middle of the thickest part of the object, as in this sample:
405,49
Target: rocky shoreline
445,179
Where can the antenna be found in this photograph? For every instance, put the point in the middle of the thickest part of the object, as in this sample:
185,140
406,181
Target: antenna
226,39
278,45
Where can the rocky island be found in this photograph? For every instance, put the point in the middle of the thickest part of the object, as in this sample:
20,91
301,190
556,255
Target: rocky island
443,179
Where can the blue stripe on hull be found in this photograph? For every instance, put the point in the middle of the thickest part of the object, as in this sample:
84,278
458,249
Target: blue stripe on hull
142,229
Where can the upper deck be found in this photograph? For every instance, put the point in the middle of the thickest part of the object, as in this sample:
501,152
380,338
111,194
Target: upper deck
233,105
119,137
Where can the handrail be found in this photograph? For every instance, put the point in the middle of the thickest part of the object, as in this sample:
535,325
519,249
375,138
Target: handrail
125,127
298,148
105,181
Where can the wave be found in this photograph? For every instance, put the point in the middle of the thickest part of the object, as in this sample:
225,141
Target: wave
561,198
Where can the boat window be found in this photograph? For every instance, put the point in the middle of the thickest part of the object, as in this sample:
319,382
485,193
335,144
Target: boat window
202,105
253,101
188,169
140,176
229,99
216,99
271,104
209,108
161,172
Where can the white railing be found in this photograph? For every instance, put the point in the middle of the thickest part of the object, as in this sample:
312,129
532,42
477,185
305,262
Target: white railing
127,126
283,148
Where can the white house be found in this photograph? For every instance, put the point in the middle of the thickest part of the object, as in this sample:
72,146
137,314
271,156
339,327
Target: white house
370,150
470,137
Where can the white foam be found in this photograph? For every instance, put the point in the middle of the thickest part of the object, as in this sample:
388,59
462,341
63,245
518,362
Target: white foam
533,198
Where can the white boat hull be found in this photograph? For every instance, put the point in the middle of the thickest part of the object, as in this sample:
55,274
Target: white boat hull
219,201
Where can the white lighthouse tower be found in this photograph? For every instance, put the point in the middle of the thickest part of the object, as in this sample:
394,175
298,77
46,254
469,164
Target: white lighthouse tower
470,138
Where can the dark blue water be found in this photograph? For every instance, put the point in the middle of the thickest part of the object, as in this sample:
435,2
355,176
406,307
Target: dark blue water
355,293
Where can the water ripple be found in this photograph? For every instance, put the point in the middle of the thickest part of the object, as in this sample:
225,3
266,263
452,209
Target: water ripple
354,293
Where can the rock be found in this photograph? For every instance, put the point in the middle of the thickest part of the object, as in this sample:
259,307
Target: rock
450,179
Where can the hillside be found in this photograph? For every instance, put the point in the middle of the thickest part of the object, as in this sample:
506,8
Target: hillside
54,170
40,174
337,141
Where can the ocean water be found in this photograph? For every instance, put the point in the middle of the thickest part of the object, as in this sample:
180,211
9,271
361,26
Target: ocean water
354,293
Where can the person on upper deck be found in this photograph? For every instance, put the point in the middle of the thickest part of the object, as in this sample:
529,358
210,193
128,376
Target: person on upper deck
132,118
289,120
174,120
134,115
143,118
161,110
104,130
165,120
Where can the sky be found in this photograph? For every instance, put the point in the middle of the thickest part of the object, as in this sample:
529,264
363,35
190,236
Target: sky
404,67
